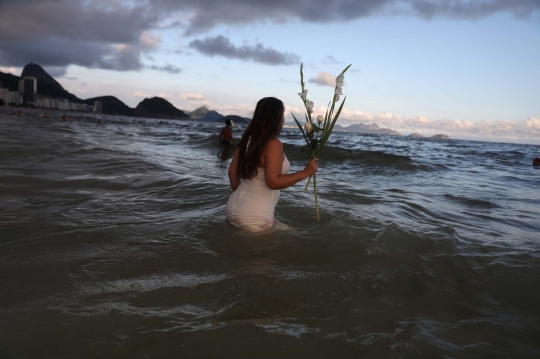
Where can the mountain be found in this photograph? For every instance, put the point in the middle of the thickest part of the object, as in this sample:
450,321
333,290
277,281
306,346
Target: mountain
9,81
235,119
46,84
111,105
373,129
157,107
440,137
204,114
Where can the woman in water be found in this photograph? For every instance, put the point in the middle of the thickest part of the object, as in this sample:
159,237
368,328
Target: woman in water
259,169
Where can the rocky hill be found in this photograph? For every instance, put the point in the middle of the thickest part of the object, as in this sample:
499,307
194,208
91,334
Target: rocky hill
373,129
112,105
157,107
204,114
9,81
46,84
440,137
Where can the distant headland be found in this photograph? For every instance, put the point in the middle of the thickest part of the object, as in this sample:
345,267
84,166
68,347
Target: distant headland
36,88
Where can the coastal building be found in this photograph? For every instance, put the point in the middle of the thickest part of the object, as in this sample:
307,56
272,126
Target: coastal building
4,96
28,88
14,98
98,107
62,104
46,102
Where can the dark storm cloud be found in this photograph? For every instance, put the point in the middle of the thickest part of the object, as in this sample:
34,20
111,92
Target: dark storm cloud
57,71
58,33
474,9
221,46
206,14
88,33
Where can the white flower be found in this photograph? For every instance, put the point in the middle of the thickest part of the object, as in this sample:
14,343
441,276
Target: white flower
320,119
309,106
307,126
336,98
338,91
303,94
339,80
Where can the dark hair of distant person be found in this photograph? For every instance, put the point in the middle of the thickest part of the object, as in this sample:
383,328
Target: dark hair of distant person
536,161
265,125
228,122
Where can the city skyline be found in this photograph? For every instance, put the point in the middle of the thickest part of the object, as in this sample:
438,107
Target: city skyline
464,69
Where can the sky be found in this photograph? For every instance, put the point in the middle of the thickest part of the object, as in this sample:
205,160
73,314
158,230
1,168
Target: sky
465,68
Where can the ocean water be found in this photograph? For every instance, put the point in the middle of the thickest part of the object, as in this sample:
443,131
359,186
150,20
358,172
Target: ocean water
113,244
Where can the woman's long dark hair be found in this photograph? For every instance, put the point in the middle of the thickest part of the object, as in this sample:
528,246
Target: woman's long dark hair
265,125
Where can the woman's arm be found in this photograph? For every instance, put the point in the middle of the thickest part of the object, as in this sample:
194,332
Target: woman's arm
233,176
273,159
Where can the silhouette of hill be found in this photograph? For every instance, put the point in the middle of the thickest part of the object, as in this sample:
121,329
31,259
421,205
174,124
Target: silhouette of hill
359,127
157,107
204,114
373,128
9,81
46,84
440,137
112,105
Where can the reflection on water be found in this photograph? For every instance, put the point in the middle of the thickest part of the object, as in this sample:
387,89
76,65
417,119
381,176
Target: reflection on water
226,152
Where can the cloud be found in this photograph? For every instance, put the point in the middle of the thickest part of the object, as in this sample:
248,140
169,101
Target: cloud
221,46
107,36
164,95
192,96
201,16
56,71
240,110
115,34
147,95
148,40
141,94
172,69
324,79
331,60
10,70
527,131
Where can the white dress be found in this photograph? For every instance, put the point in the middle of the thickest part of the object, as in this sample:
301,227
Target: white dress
251,206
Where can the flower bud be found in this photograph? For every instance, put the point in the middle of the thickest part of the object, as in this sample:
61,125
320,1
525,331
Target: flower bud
307,126
320,119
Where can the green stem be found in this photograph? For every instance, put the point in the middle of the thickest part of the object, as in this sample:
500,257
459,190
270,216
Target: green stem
309,179
307,184
316,198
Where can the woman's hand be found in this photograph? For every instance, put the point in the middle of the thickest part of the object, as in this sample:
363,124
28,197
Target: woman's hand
312,167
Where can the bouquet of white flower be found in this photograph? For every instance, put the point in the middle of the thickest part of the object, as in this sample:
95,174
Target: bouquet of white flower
317,134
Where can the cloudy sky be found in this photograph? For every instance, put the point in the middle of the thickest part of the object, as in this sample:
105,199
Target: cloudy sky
466,68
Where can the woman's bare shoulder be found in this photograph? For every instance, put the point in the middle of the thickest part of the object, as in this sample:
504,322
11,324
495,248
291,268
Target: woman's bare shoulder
273,147
274,144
